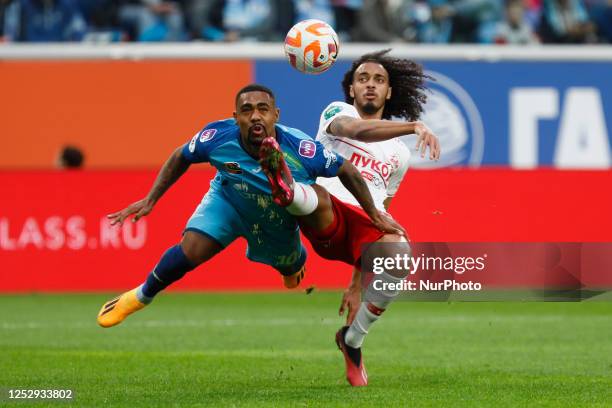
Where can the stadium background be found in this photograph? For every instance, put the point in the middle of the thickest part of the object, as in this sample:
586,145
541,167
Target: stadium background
526,157
527,132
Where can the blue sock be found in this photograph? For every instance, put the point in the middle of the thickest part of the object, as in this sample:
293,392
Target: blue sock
172,266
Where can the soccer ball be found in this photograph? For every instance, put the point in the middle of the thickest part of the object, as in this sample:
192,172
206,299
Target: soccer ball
311,46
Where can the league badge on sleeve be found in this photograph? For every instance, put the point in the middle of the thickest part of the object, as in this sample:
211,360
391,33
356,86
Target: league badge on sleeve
207,134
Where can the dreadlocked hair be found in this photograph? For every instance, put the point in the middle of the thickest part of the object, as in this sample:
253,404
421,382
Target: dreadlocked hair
405,77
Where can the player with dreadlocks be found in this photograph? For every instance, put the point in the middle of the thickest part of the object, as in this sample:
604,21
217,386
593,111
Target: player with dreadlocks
377,88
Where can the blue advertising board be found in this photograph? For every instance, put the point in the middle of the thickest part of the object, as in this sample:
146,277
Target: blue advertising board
519,114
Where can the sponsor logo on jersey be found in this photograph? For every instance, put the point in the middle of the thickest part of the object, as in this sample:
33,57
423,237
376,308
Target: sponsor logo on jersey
378,183
207,134
307,149
193,143
368,176
331,111
379,167
233,167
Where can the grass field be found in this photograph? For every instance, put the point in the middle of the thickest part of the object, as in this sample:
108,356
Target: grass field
278,350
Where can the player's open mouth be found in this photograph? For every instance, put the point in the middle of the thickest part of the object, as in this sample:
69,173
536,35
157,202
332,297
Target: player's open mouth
258,130
370,96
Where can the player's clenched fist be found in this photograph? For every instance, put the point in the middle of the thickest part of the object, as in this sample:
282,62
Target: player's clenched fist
139,208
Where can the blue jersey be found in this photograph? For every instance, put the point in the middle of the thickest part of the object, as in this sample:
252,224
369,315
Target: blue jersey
240,177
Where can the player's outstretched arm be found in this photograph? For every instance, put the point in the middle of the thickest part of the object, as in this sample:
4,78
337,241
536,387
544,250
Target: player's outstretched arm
374,130
352,180
351,298
171,171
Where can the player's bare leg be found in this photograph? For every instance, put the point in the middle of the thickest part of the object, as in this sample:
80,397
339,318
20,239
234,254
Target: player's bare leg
193,250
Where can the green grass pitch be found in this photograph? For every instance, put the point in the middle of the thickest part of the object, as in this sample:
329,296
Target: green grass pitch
277,349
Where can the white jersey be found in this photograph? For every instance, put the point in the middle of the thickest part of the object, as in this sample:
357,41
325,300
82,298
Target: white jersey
382,164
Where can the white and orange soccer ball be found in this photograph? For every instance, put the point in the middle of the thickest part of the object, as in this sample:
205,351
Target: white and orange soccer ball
311,46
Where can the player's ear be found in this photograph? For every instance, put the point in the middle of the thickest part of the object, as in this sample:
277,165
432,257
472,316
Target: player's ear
389,93
235,116
351,92
277,114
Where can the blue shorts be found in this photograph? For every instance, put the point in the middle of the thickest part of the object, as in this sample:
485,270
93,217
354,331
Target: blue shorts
216,218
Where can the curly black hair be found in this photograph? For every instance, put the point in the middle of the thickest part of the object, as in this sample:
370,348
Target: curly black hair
405,77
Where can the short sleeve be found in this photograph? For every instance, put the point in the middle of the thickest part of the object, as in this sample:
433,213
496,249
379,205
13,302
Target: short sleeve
333,111
403,160
198,149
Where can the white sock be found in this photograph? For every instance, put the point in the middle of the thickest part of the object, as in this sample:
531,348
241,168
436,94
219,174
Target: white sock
305,200
142,298
376,301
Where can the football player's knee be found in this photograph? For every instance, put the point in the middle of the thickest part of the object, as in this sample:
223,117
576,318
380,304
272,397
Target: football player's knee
198,248
325,204
190,251
392,249
191,254
394,238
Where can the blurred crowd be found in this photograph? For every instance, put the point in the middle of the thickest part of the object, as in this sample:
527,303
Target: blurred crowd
388,21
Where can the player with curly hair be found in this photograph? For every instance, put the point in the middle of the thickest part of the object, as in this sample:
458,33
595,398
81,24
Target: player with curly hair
377,89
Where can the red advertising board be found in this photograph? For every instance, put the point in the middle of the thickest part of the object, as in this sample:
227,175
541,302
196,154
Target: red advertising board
54,235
